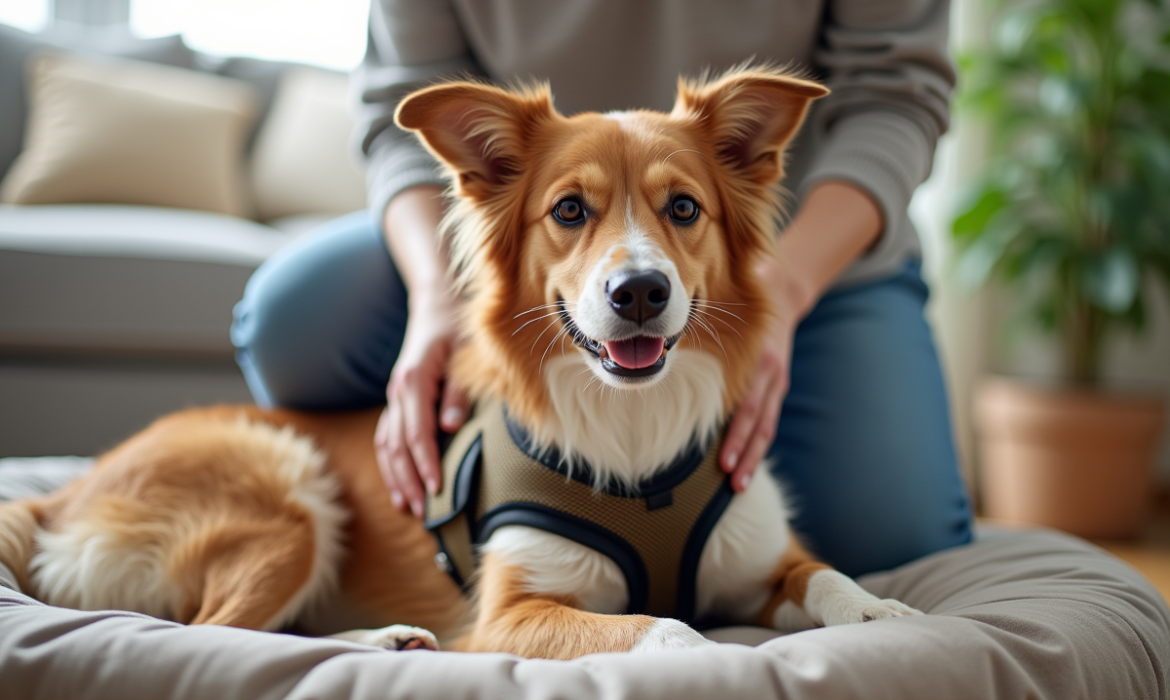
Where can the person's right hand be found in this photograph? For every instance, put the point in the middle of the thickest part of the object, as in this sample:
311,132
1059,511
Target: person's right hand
406,441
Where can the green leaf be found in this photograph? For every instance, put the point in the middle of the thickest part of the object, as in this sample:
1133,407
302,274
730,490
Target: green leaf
1111,281
979,260
973,220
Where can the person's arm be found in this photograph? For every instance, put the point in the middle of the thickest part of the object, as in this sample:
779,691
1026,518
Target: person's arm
404,442
836,224
412,43
891,79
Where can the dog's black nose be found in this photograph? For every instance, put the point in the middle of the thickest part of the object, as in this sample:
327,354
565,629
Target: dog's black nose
638,295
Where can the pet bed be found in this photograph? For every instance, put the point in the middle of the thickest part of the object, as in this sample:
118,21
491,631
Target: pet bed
1016,614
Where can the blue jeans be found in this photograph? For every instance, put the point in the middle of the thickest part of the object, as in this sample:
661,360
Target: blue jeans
863,446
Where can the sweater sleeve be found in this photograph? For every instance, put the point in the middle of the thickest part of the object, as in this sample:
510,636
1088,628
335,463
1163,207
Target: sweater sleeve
891,80
412,43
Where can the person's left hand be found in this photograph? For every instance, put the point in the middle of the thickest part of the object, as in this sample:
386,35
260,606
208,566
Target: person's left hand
753,425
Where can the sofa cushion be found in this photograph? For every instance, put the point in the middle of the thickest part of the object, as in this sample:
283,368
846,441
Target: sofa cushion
104,130
302,162
120,278
16,46
263,75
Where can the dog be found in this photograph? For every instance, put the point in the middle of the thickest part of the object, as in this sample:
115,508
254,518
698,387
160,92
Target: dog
613,322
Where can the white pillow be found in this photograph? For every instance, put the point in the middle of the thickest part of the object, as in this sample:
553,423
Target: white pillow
127,132
301,163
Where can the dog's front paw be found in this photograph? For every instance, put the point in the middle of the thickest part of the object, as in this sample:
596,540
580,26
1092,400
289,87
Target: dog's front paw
887,608
868,610
393,638
669,634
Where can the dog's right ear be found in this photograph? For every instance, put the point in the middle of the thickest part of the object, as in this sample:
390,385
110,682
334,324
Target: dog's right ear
477,130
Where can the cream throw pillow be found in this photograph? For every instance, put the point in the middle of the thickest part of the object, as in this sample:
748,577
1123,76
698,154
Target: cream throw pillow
301,163
126,132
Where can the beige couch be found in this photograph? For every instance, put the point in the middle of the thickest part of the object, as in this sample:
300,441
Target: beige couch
114,304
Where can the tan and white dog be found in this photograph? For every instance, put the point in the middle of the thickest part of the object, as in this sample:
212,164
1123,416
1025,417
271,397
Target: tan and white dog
607,265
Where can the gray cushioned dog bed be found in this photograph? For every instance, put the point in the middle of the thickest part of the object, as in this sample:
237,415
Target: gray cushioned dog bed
1030,614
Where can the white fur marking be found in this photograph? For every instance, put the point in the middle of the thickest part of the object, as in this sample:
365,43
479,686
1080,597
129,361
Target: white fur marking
790,617
835,599
628,437
742,551
596,318
554,565
82,568
390,638
670,634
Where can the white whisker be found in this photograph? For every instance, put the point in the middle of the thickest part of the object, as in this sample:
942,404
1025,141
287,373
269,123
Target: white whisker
554,313
717,318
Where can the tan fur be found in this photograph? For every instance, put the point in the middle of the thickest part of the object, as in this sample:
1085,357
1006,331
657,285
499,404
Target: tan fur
513,258
237,552
515,621
790,580
18,528
196,488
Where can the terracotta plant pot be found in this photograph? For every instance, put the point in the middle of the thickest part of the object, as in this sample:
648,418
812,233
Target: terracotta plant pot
1072,459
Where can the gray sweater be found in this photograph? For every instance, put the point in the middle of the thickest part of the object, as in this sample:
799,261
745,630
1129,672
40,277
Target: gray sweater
885,60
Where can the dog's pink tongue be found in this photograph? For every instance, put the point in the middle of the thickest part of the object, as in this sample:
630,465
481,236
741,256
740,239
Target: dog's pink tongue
635,353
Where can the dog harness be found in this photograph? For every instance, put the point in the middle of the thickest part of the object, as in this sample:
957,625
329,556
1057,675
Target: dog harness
495,475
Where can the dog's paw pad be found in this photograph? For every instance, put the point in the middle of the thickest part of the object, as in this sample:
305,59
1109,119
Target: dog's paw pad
887,608
394,638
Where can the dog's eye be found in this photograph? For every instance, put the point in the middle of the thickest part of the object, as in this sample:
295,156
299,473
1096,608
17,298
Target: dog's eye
569,211
684,210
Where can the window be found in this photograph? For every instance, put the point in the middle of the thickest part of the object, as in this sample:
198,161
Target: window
29,15
330,33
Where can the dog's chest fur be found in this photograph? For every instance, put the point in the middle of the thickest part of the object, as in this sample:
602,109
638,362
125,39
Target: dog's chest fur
617,436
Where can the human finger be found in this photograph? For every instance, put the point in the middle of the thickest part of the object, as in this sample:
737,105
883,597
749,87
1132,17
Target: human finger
743,423
453,408
762,435
382,457
418,415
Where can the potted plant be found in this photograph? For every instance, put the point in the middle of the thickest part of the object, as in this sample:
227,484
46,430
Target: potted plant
1072,216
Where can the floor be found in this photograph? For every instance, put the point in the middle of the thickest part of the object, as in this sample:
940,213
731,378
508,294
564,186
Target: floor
1149,554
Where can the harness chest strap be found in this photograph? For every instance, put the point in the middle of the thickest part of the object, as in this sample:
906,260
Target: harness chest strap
654,534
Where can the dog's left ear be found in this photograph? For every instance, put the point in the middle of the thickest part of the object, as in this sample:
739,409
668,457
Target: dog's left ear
748,115
478,130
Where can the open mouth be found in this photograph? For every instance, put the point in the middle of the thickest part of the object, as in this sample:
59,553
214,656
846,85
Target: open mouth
639,356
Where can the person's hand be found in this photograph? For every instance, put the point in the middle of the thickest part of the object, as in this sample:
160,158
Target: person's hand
753,425
406,441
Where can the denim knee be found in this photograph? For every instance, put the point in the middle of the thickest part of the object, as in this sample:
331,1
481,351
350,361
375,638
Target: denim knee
321,322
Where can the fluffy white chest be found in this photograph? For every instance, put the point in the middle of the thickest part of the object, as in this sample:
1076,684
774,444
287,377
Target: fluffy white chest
737,560
620,437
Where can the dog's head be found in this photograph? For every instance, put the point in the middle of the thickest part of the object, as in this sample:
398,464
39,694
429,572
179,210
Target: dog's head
616,240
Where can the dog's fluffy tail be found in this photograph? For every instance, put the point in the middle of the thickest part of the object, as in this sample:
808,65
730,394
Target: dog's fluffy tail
18,530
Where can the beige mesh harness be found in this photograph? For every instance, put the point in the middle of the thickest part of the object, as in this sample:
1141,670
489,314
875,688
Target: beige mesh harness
493,476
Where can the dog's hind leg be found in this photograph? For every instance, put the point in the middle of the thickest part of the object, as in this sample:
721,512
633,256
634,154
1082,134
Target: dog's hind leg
257,576
18,530
514,620
808,593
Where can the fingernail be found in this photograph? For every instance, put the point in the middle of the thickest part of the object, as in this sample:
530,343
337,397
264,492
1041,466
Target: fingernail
432,486
743,480
417,507
452,415
396,499
732,458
